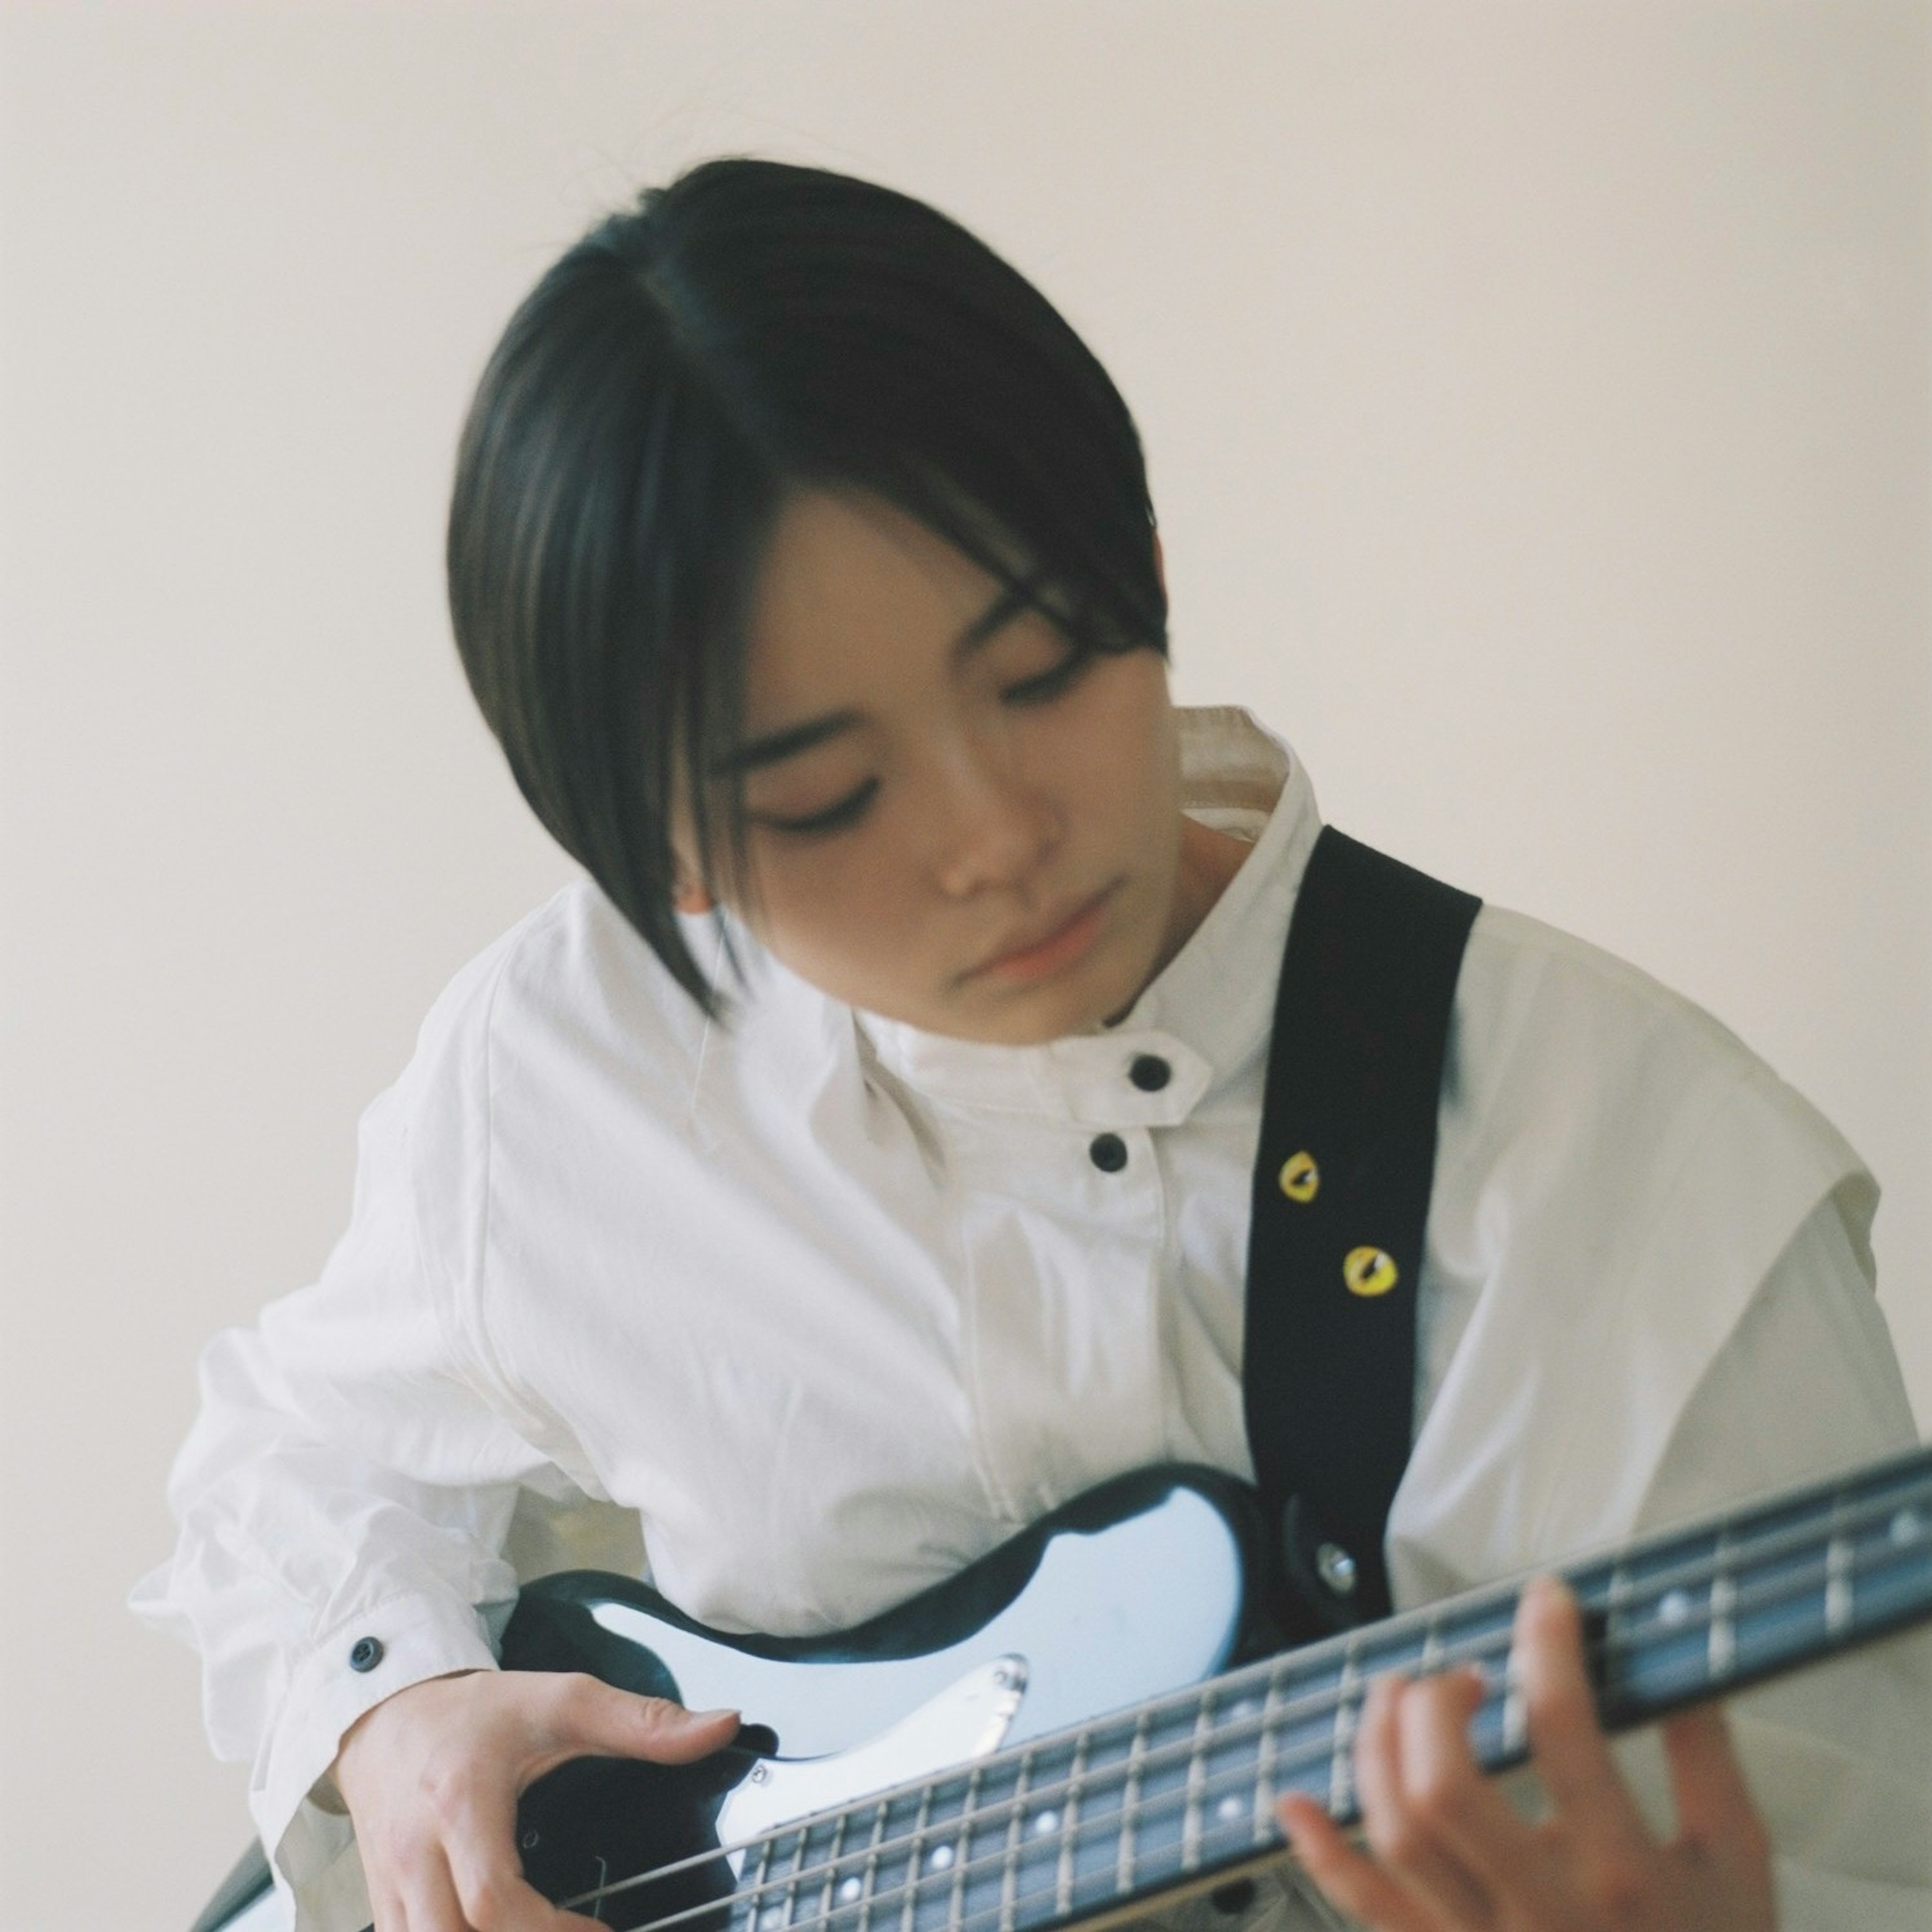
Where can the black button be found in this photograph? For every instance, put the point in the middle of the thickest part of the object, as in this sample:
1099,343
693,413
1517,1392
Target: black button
1150,1072
1108,1153
367,1653
1235,1898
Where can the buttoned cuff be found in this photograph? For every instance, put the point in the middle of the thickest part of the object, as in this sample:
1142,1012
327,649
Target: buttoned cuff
350,1669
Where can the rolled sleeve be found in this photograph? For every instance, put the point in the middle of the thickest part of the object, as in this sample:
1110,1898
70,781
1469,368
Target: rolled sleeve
410,1639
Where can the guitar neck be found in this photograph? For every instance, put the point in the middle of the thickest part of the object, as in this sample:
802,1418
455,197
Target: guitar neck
1146,1802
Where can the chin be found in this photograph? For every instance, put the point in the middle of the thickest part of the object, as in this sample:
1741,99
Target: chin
1081,1011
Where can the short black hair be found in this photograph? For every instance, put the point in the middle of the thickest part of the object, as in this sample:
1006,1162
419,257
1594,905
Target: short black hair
752,329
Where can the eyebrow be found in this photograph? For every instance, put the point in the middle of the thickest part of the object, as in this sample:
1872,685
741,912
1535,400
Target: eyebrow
755,754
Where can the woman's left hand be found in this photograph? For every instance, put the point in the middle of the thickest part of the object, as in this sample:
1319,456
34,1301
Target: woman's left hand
1447,1852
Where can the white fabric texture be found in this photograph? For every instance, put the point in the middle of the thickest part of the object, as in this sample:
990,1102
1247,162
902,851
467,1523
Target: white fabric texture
836,1307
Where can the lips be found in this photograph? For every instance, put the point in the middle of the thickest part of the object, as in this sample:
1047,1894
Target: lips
1046,947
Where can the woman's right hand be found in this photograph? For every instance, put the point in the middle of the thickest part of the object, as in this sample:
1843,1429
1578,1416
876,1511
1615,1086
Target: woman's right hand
431,1777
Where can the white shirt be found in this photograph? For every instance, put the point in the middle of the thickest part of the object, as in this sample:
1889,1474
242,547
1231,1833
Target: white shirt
836,1307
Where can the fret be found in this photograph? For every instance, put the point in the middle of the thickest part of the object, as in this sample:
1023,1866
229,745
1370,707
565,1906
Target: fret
784,1911
1432,1644
1837,1583
1037,1875
869,1879
962,1848
1720,1652
1616,1633
1069,1820
915,1859
1009,1860
1191,1819
1342,1738
1103,1794
1515,1712
1618,1602
1266,1790
835,1850
985,1838
1130,1800
756,1886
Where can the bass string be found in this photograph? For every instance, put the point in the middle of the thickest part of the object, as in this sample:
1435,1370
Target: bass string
1486,1648
1728,1554
1492,1645
998,1816
756,1900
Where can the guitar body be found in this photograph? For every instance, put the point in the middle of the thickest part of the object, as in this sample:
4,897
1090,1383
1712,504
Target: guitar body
1145,1585
1148,1584
1101,1712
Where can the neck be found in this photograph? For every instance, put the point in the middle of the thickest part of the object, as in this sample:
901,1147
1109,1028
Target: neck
1209,860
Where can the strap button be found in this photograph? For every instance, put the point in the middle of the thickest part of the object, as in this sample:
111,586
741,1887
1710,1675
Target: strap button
1336,1569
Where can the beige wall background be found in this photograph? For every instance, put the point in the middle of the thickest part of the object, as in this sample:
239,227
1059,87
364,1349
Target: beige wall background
1537,403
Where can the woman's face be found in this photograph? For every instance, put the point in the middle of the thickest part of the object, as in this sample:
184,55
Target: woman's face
953,818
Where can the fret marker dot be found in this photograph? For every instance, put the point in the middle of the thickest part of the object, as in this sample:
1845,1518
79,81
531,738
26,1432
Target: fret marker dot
848,1890
1675,1607
1245,1709
771,1919
1044,1822
1230,1808
941,1857
1907,1526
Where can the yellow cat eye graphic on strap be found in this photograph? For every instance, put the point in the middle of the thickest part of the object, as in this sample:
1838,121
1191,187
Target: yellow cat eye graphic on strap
1368,1271
1300,1178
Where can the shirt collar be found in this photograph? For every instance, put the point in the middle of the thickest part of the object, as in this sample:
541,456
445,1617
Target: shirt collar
1207,1013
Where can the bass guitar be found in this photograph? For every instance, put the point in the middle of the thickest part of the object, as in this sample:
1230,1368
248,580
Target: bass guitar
1097,1718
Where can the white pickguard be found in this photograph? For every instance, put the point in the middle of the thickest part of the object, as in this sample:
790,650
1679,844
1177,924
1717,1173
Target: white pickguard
966,1720
1110,1618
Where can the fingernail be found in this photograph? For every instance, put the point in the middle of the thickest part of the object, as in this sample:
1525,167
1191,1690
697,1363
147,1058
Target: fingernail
723,1711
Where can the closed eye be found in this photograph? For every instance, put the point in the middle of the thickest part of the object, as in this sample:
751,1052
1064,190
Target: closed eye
1049,684
847,810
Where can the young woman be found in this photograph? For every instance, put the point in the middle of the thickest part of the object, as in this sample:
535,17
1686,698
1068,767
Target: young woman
859,1168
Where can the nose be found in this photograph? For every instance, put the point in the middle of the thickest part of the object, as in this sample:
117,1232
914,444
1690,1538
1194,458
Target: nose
996,825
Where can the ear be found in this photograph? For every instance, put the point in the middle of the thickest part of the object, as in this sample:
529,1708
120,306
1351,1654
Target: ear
689,896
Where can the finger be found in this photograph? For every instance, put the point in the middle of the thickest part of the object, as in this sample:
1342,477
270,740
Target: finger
1348,1879
487,1874
1479,1838
1714,1803
582,1715
1402,1837
424,1898
1571,1754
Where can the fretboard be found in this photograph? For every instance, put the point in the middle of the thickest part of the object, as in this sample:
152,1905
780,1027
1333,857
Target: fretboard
1145,1801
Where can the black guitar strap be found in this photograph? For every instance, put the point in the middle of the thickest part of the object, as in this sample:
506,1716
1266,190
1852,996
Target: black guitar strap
1341,1198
